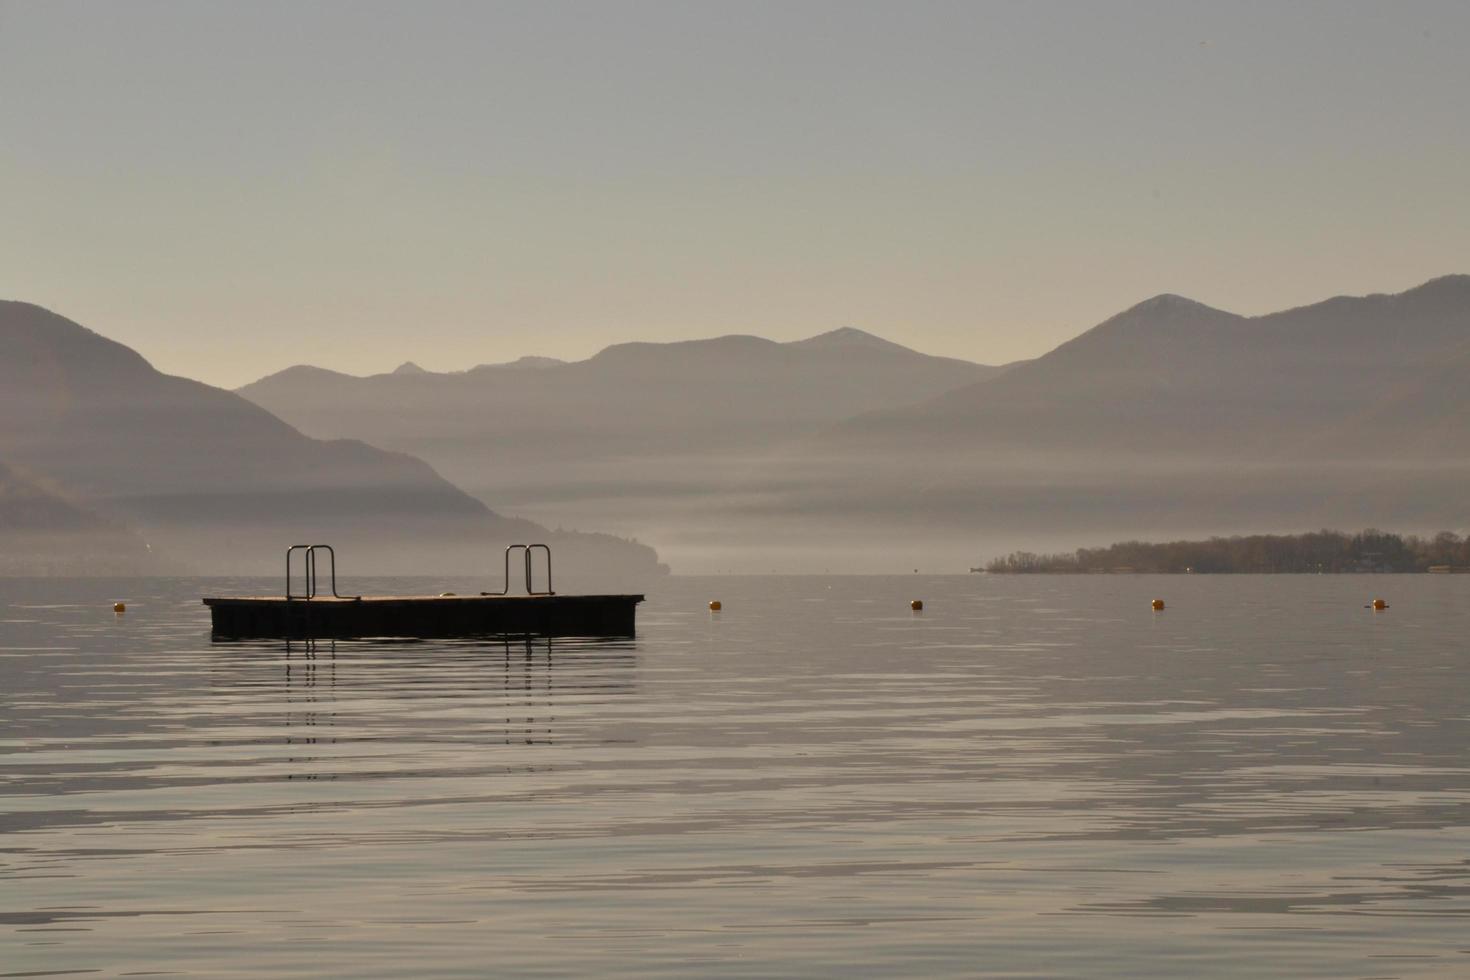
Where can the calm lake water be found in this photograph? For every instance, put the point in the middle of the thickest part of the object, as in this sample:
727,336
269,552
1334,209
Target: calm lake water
1032,777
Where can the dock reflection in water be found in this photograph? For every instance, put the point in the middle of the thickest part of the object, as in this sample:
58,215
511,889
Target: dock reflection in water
516,686
1035,776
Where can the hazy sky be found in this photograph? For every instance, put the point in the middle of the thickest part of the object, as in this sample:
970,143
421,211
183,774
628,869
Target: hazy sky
235,187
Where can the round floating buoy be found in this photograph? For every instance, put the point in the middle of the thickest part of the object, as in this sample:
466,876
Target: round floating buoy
119,607
1158,604
1378,604
917,605
446,595
714,605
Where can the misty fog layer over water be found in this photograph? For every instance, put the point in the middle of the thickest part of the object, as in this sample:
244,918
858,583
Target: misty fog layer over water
1032,776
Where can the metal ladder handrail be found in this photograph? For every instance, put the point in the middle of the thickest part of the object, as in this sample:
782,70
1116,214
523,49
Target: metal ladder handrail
309,571
508,550
527,548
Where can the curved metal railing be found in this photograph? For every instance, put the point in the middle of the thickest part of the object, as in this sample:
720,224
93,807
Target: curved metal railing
528,549
308,571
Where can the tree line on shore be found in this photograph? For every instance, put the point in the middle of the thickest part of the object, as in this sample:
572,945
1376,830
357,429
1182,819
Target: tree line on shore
1318,551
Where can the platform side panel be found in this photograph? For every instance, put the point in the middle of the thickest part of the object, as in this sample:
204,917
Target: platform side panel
568,616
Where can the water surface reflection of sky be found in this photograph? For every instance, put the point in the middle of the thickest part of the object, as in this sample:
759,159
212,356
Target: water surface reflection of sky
1032,776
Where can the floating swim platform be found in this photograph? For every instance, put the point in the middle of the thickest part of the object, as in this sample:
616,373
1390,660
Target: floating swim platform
260,617
311,614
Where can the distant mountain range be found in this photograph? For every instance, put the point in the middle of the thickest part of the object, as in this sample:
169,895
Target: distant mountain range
1169,418
219,484
1173,417
841,452
1351,377
642,436
722,393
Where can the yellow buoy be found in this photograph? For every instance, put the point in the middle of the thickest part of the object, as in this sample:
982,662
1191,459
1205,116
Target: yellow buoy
714,605
917,605
1379,604
119,607
1158,603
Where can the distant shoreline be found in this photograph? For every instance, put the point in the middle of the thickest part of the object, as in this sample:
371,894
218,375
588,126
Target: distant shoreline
1246,571
1313,553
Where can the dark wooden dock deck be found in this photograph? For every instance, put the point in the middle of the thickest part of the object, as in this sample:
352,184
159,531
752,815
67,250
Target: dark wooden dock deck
252,617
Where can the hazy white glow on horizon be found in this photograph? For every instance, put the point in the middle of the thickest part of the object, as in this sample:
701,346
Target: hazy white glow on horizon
232,188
